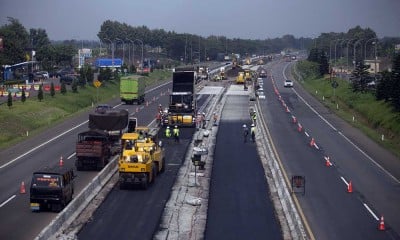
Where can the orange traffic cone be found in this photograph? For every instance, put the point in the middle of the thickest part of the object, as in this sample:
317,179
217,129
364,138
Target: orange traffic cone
350,187
381,226
327,162
300,128
22,189
61,161
294,119
312,142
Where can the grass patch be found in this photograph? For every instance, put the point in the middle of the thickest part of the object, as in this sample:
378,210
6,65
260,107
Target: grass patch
362,110
34,116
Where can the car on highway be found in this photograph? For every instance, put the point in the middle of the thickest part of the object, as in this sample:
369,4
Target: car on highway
288,83
103,108
68,79
261,95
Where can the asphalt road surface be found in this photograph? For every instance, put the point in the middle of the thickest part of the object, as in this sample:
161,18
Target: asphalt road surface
239,205
332,212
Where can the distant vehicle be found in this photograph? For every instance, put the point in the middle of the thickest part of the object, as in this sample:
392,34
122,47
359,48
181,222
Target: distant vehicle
52,188
64,71
252,97
263,74
41,75
132,89
261,95
288,83
68,79
103,108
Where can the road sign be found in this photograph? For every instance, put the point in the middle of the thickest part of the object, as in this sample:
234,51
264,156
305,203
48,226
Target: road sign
97,83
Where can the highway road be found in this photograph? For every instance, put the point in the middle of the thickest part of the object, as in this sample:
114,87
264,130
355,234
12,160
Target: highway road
239,203
19,162
332,212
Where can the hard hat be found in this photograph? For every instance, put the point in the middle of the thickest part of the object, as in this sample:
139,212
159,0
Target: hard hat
244,125
252,125
159,105
176,126
167,126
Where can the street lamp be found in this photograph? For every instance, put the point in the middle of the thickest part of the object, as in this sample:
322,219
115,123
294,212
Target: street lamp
142,49
347,54
354,52
123,48
112,51
365,46
133,47
336,41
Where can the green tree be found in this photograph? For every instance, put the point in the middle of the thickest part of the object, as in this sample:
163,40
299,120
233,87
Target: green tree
359,78
9,100
23,95
40,93
396,81
52,90
63,89
16,43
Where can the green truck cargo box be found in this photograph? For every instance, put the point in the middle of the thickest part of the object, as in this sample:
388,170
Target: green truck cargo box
132,89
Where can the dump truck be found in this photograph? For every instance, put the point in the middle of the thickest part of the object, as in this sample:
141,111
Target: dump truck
132,89
142,158
182,101
96,145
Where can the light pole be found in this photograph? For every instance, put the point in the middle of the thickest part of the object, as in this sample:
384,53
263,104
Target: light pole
336,41
142,50
365,47
133,47
354,53
112,51
376,58
123,48
347,54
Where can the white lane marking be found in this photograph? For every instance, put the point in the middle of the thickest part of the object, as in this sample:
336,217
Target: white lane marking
348,140
344,180
306,133
41,145
370,211
60,135
71,156
6,201
173,164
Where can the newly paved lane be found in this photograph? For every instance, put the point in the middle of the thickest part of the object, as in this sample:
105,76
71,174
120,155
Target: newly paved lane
239,204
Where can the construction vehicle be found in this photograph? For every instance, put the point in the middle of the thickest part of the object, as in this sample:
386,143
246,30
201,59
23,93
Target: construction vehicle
132,89
247,75
240,78
141,159
96,145
222,73
182,101
247,61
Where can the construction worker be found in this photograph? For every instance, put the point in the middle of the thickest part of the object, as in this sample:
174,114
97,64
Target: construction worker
203,119
167,132
254,118
215,117
160,108
245,132
176,134
158,117
253,132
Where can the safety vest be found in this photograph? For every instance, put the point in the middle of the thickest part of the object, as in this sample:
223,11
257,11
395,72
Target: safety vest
253,130
254,117
176,132
168,132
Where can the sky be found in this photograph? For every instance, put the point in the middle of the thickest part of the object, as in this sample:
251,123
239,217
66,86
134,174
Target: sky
246,19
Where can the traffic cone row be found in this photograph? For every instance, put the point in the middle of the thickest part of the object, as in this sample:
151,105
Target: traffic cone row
294,119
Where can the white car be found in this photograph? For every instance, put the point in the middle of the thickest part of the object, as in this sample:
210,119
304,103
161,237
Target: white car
288,83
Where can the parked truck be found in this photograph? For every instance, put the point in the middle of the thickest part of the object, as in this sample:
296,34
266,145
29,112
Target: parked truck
182,101
142,158
96,145
132,89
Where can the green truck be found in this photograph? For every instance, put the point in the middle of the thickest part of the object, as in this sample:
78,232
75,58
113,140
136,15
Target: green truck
132,89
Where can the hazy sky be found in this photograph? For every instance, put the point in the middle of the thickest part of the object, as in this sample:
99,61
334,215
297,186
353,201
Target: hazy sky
254,19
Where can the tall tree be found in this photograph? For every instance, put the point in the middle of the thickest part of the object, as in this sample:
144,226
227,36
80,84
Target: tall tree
40,93
52,90
23,95
359,78
16,43
9,100
396,81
